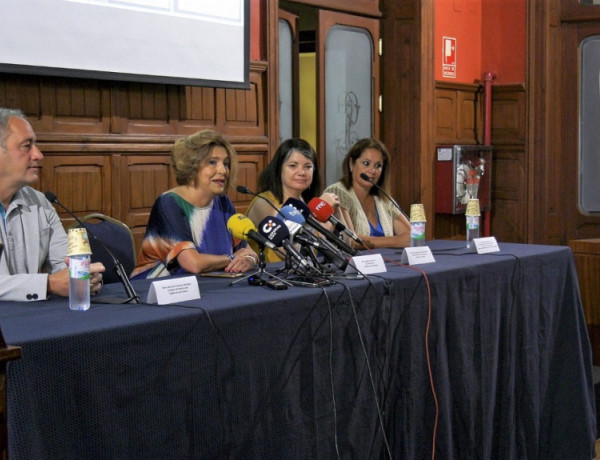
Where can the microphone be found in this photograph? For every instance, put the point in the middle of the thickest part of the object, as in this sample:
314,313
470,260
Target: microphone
275,230
363,176
118,266
247,191
323,212
295,217
310,220
242,227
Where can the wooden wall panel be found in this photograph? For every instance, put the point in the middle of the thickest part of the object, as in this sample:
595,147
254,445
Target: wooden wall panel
244,112
141,179
445,116
251,162
457,114
81,183
509,180
144,109
107,144
469,126
509,222
459,121
58,105
508,115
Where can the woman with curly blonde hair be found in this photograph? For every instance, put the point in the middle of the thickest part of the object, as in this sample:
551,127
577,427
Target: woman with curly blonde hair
187,229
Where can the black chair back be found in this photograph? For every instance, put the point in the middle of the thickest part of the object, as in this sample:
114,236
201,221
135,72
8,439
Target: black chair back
117,237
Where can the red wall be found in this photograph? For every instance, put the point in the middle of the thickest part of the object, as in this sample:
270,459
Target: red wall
490,36
504,39
256,30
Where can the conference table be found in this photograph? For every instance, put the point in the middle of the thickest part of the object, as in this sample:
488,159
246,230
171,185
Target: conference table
473,356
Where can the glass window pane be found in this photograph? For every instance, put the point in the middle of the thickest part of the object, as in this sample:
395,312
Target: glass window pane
348,93
589,126
285,81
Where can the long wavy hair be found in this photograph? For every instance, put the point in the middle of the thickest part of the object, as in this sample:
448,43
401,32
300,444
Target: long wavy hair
355,152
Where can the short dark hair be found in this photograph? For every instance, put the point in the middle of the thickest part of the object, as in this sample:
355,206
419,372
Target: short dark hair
270,177
355,152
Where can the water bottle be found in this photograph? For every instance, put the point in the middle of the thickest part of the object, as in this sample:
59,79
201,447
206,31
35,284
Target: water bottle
472,212
417,225
472,229
79,282
79,252
417,234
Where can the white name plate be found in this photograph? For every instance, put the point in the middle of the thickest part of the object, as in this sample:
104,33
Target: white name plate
486,245
417,255
366,265
173,290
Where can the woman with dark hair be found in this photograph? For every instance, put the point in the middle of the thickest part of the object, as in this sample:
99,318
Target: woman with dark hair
292,173
187,230
367,211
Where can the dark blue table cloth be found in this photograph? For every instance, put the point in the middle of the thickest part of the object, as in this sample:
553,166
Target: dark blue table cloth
477,356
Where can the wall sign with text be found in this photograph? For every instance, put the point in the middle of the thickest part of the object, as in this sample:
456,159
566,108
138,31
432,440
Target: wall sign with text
449,57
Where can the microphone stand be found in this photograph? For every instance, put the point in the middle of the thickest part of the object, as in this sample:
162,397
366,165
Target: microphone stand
262,264
118,266
363,176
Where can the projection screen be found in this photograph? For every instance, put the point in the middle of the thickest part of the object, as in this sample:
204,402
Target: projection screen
186,42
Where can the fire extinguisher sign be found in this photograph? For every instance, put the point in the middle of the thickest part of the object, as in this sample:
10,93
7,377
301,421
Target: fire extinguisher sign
449,57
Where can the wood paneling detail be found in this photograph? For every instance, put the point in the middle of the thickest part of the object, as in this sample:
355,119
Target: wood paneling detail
141,179
508,114
509,179
509,191
84,107
457,114
107,144
81,183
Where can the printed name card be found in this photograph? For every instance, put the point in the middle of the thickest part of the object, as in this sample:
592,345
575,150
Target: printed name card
173,290
366,265
486,245
417,255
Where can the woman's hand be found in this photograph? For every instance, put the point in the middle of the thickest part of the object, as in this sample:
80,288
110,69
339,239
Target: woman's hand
368,241
332,199
243,260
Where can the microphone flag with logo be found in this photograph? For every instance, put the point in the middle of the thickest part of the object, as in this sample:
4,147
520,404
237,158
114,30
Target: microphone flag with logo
275,230
243,228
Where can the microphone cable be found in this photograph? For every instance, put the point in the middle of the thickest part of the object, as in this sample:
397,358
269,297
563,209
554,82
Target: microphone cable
514,285
230,371
369,370
427,351
331,383
282,376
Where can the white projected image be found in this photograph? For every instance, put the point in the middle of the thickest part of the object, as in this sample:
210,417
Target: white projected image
199,42
208,10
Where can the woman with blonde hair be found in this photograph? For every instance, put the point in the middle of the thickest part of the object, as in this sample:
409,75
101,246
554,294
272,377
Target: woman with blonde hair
187,229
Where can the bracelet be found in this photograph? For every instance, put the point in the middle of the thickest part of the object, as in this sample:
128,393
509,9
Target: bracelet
229,256
251,257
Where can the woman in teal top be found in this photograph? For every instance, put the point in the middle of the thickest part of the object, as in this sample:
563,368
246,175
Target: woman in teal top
187,230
